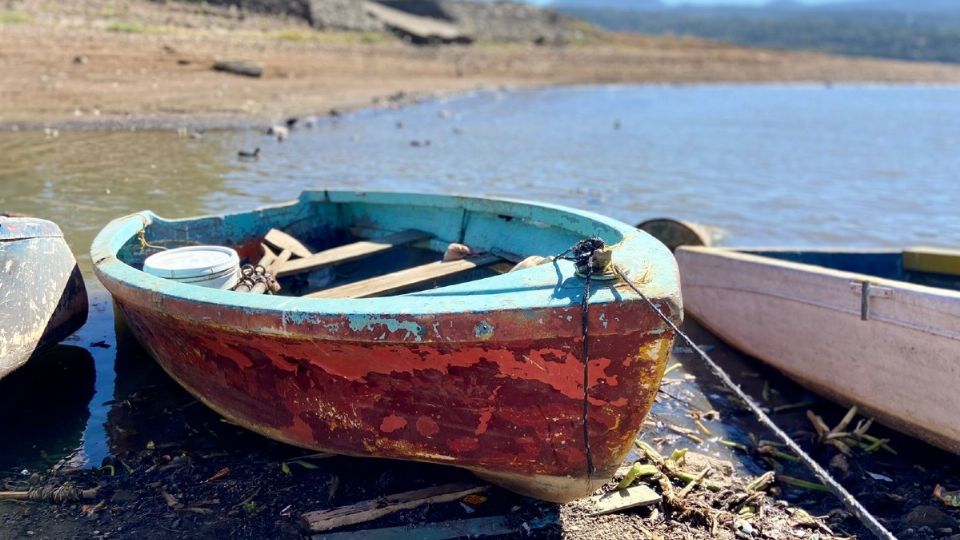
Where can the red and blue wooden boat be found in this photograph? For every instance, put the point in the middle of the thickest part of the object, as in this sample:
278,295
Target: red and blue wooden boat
42,296
481,369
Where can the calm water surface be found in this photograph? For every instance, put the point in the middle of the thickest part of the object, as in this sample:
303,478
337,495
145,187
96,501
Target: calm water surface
864,166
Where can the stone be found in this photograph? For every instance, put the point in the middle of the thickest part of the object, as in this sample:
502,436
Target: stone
499,21
341,15
929,516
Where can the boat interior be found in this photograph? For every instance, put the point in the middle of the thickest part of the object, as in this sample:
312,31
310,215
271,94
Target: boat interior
932,267
348,245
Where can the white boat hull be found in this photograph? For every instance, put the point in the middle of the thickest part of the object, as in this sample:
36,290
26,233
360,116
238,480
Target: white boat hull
901,364
42,295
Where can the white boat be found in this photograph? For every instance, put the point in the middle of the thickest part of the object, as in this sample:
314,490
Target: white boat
42,296
879,329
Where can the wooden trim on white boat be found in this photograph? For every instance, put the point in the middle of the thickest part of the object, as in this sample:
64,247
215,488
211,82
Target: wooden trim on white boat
932,260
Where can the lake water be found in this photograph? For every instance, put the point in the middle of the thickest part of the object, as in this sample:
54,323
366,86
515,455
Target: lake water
797,165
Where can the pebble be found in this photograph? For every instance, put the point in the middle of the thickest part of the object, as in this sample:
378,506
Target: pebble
929,516
840,463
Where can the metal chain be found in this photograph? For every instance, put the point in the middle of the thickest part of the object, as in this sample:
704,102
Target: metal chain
848,500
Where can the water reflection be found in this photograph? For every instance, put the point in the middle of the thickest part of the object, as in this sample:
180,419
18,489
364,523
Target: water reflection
82,180
44,408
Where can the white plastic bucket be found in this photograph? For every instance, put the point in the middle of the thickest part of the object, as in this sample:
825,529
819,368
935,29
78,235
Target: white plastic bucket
216,267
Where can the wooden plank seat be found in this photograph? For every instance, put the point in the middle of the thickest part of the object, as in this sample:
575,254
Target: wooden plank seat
409,277
350,252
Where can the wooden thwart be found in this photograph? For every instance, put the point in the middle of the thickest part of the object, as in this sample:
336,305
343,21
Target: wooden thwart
324,520
405,278
350,252
283,241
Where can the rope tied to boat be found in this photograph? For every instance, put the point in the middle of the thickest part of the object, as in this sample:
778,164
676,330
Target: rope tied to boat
144,244
58,494
592,258
849,501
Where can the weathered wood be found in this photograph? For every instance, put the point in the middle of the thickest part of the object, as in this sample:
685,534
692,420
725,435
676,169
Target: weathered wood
443,530
280,261
325,520
350,252
405,278
281,241
268,256
624,499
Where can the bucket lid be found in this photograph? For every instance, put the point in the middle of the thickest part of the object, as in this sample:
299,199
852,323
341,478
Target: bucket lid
192,261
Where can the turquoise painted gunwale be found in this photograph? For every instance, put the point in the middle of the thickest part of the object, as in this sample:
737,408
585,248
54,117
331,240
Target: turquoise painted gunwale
532,289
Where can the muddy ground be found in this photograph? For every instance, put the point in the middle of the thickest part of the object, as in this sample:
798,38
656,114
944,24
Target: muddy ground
132,63
179,470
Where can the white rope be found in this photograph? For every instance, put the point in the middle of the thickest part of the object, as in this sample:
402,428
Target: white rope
848,500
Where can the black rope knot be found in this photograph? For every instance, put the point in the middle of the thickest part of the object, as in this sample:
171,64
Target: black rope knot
592,258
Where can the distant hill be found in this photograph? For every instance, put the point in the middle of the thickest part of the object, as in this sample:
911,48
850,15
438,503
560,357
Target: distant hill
903,6
629,5
922,30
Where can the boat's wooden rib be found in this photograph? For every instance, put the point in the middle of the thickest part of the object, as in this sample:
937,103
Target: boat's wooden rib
283,241
404,279
350,252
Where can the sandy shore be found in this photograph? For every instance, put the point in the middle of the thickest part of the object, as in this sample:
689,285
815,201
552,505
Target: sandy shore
149,65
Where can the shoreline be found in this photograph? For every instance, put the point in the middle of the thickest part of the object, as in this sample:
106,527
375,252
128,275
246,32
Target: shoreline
239,122
73,69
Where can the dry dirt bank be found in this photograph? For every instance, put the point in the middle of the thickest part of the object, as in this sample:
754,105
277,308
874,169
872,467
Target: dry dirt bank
137,63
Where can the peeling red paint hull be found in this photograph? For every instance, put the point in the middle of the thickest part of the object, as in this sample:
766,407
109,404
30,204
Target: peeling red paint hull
486,375
510,411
